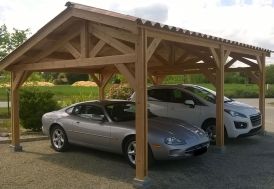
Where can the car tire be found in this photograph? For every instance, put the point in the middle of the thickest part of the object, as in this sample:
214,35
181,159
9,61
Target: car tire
58,138
130,151
210,129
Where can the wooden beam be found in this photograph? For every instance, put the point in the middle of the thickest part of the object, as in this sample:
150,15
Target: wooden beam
209,75
77,63
227,53
116,33
171,54
253,77
17,80
229,63
128,75
152,47
15,141
84,40
95,79
75,53
141,122
161,59
259,62
220,97
104,79
182,58
215,57
246,61
112,41
97,48
262,91
25,77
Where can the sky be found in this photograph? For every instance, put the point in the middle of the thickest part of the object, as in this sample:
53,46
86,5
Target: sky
247,21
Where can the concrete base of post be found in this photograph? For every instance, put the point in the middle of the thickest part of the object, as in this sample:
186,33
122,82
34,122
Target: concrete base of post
16,148
142,184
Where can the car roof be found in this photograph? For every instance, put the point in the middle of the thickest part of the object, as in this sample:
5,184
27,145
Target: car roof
172,86
103,102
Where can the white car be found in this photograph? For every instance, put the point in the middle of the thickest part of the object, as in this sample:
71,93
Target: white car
196,105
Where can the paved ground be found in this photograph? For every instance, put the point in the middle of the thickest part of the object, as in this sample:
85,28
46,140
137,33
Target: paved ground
269,111
247,163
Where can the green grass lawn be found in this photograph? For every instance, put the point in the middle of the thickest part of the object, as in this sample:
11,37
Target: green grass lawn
4,113
70,94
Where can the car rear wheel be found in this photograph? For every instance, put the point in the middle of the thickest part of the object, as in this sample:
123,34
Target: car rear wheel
130,153
210,129
59,139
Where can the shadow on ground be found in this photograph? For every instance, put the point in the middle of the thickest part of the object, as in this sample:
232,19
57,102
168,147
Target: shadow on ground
246,163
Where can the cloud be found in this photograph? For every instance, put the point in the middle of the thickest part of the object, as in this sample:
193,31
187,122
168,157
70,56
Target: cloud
154,12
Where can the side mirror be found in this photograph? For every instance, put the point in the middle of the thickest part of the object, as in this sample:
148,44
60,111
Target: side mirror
97,117
190,103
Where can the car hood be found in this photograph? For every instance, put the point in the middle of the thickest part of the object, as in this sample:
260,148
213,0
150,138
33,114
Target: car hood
241,107
174,127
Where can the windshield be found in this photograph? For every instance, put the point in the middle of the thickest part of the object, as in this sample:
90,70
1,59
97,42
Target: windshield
123,111
205,93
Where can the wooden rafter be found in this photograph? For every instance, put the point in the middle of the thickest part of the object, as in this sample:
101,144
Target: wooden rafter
127,73
246,61
259,62
182,58
118,34
96,49
123,48
152,47
253,77
215,56
209,75
229,63
95,79
75,53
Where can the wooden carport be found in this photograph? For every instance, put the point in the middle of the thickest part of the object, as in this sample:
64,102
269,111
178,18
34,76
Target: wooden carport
84,39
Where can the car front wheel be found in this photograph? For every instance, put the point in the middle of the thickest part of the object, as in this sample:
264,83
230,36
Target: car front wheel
59,139
130,153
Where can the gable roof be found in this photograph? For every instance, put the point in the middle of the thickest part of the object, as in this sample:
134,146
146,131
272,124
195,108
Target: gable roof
126,22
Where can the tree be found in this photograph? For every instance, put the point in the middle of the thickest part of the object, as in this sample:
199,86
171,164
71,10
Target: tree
10,41
269,74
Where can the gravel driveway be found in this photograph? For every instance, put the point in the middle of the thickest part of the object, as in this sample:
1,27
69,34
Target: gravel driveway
247,163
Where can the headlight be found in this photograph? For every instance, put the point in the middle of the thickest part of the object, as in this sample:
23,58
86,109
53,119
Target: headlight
235,114
174,141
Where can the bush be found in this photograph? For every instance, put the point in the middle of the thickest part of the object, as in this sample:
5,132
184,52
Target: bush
33,104
119,91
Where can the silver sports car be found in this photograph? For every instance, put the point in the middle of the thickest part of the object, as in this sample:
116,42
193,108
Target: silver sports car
110,126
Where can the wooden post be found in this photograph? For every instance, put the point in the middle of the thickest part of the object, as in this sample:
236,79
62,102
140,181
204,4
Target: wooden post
141,107
101,88
15,142
262,90
220,99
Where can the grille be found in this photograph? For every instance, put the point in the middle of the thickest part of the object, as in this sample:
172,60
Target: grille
197,147
256,120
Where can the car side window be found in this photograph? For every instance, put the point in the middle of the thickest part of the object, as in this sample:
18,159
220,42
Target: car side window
179,96
88,111
159,95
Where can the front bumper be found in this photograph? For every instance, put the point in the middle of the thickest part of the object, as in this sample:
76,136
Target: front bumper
252,132
175,152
